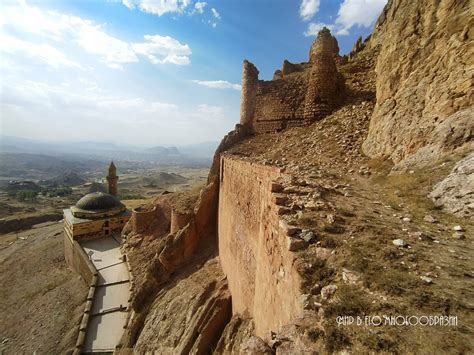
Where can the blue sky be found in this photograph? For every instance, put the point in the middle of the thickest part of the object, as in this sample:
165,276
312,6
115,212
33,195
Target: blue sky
151,72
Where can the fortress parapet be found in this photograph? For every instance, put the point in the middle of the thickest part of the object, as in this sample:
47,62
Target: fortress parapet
298,94
142,218
179,220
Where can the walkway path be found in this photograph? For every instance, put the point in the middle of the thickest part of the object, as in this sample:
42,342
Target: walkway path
108,314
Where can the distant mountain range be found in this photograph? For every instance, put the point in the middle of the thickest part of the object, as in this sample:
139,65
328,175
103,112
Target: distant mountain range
200,153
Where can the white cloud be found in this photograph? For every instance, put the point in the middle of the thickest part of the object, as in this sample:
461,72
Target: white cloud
199,6
361,13
308,9
163,49
218,84
129,3
41,52
91,37
78,109
112,51
79,99
216,14
158,7
33,20
210,110
315,27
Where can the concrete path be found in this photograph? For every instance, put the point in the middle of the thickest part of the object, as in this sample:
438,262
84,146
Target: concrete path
108,314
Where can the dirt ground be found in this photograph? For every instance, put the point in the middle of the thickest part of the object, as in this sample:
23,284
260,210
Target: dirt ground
41,300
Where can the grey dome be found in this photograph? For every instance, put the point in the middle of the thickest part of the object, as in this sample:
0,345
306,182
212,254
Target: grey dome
98,201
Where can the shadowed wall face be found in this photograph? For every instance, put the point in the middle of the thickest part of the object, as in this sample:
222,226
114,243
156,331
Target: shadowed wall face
254,256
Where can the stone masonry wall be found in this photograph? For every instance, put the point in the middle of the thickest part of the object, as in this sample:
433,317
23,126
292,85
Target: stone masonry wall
299,93
279,104
325,84
142,218
252,248
247,99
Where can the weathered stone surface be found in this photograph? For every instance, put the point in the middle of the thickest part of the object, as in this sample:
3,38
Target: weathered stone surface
180,248
255,345
423,78
288,229
295,244
429,218
187,316
328,291
235,335
289,68
456,192
247,99
329,45
358,46
252,246
323,253
325,85
399,243
349,276
297,95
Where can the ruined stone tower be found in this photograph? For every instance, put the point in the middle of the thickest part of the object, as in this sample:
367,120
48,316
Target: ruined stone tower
329,44
325,84
112,179
248,96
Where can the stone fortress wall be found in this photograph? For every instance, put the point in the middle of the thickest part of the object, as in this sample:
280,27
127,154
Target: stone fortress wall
155,219
298,94
142,218
254,245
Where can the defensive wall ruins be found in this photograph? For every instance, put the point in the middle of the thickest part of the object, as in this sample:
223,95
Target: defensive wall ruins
253,245
298,94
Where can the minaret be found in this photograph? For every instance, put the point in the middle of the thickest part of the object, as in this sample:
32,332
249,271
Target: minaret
112,179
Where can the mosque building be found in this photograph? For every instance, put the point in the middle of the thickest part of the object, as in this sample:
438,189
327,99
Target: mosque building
97,214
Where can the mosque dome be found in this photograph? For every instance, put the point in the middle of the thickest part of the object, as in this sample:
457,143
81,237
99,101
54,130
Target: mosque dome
96,204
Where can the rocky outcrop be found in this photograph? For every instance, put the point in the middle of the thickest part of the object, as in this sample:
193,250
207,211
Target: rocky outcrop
456,192
187,316
180,247
424,78
356,48
235,335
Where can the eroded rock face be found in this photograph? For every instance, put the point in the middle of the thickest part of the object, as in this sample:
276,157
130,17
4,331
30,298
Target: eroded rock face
187,316
456,192
424,76
235,335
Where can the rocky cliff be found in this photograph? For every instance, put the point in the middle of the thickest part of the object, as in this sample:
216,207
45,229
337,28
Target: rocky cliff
424,80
